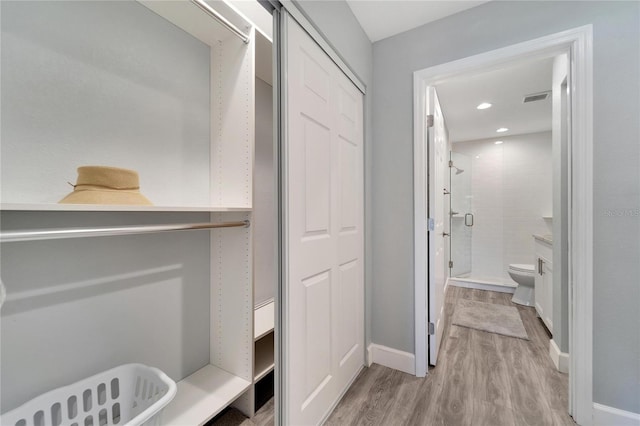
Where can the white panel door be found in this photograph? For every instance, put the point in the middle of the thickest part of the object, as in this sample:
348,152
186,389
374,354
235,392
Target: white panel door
324,291
437,166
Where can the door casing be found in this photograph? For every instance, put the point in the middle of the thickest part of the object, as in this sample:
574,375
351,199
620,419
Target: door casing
577,43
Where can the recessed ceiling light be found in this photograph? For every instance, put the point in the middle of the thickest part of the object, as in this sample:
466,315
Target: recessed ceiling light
484,105
498,142
502,130
477,156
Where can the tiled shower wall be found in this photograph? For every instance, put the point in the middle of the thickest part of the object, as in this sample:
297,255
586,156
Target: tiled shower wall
512,195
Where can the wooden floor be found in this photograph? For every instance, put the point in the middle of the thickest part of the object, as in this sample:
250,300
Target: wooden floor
481,379
233,417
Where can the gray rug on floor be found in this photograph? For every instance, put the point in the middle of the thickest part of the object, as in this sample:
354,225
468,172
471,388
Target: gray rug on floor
499,319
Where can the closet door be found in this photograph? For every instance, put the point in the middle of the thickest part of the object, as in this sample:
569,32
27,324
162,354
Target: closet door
323,217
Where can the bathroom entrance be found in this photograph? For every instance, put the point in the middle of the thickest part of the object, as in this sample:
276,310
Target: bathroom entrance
501,196
500,173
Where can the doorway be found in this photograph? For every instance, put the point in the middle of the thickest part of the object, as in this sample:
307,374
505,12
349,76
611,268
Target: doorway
576,45
500,172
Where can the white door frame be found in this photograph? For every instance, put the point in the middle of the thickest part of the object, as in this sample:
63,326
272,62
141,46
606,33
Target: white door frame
578,44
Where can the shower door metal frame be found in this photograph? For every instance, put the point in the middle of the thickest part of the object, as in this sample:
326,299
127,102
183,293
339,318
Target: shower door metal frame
453,193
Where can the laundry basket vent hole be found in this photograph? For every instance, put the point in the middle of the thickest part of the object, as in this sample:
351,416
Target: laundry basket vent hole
38,418
102,417
115,389
137,386
72,406
102,394
144,389
116,413
86,400
56,414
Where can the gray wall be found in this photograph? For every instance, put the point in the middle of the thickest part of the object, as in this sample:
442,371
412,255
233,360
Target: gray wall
616,168
102,83
341,29
86,305
264,213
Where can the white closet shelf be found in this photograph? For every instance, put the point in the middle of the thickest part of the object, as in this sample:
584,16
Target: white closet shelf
202,395
264,318
264,371
117,208
264,358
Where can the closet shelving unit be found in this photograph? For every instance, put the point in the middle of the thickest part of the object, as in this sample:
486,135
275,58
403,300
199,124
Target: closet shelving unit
264,237
265,279
240,352
263,337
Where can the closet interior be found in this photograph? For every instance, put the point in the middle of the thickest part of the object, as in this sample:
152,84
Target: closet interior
184,98
264,234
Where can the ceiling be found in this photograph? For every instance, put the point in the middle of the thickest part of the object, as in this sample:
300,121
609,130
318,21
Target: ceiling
385,18
504,88
459,96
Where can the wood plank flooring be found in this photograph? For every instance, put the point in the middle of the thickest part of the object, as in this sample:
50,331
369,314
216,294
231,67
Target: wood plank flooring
482,379
233,417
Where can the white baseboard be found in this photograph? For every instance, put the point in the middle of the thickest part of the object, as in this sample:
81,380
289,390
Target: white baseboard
560,359
609,416
478,285
392,358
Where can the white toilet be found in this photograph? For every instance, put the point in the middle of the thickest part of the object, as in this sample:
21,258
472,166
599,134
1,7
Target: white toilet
524,275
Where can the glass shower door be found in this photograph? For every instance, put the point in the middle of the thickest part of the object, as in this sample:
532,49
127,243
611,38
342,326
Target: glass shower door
460,215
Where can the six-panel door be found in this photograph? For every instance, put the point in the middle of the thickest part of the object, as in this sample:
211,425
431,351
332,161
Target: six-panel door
324,294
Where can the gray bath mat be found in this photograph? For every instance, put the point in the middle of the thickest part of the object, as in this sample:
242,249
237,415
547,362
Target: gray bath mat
499,319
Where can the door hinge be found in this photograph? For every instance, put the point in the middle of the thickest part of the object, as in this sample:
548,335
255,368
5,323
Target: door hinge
430,120
451,264
432,329
431,226
450,163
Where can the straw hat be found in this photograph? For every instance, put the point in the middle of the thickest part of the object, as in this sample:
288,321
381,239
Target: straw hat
106,185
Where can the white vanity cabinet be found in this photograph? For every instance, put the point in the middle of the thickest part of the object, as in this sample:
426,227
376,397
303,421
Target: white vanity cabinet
544,279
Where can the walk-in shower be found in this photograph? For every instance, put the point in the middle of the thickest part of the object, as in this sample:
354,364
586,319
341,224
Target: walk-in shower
500,196
459,224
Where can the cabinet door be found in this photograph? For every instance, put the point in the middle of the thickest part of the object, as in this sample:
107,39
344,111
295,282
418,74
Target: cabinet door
547,279
323,304
540,296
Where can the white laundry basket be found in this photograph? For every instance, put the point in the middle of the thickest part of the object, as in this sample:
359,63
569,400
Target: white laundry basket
131,395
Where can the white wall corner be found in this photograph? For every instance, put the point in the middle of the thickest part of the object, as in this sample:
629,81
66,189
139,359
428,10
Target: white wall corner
560,359
608,416
392,358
